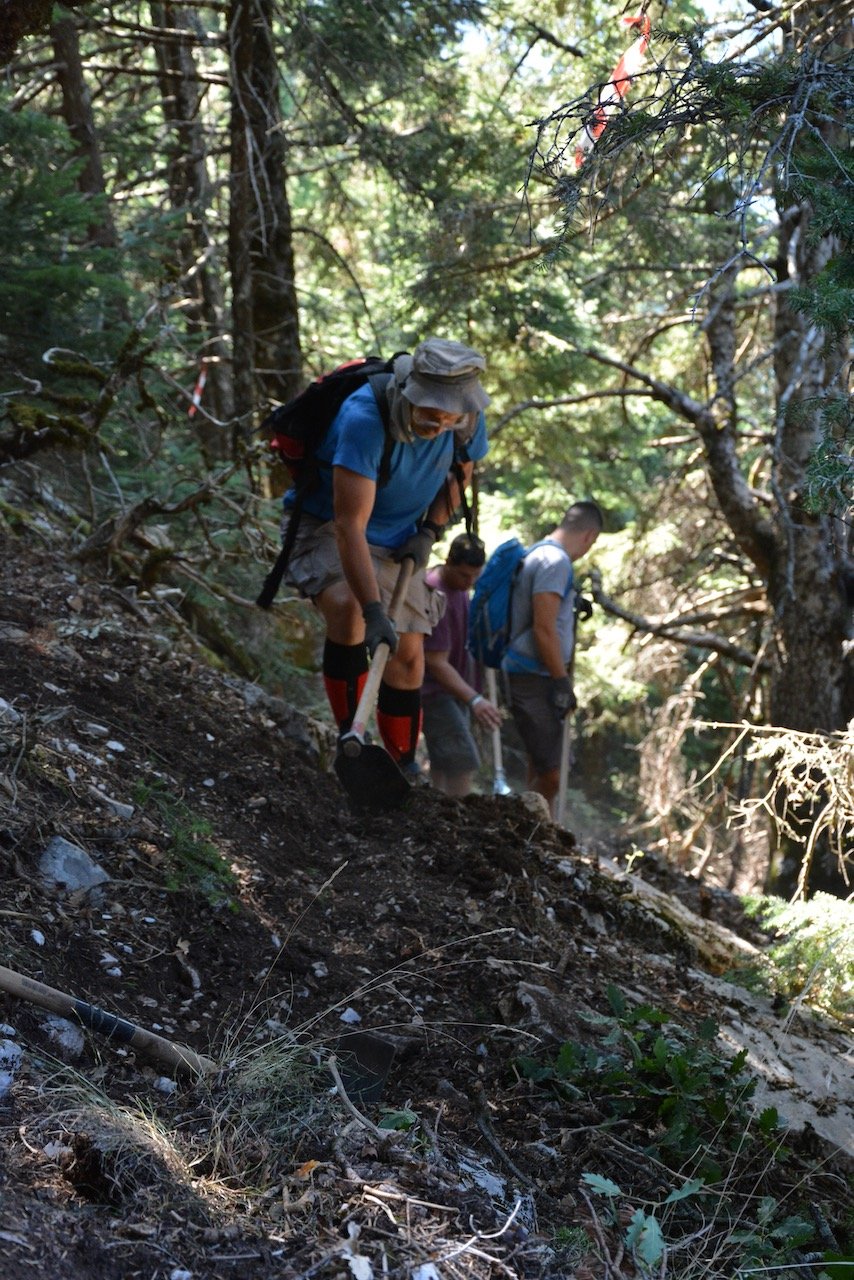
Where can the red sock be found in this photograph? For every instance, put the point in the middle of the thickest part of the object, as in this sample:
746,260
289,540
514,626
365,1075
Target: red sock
399,721
345,669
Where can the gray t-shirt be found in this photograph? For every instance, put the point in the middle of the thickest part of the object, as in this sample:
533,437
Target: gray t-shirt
546,568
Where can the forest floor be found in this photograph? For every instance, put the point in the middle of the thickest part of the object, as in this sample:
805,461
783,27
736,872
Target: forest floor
251,914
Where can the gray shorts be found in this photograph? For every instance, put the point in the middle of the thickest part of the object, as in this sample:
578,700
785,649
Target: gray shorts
534,716
314,565
447,732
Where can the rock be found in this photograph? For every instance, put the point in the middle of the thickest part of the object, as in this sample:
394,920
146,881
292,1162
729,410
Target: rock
547,1013
536,804
8,714
66,1035
93,730
315,737
10,1058
125,811
67,865
804,1065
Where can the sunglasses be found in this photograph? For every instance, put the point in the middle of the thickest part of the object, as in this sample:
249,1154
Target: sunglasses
435,418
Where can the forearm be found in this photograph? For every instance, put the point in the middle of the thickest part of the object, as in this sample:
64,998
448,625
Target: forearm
547,644
449,497
440,670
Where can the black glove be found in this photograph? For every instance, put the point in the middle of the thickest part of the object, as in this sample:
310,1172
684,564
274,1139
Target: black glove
562,696
583,608
418,547
379,628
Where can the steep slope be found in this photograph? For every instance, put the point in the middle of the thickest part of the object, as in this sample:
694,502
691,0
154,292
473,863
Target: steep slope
246,911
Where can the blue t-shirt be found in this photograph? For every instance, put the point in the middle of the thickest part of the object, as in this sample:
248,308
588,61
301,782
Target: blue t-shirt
417,471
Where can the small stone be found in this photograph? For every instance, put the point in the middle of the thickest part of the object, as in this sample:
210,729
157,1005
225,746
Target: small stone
125,811
8,714
93,730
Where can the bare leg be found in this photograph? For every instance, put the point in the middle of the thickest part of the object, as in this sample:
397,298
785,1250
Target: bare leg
452,784
545,784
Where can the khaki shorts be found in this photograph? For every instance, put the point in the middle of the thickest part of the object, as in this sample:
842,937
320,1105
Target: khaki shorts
314,565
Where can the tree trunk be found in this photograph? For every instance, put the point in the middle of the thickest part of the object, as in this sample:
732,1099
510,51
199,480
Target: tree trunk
77,113
806,588
265,315
802,557
190,192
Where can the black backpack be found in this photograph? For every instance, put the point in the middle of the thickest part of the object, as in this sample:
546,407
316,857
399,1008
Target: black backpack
296,429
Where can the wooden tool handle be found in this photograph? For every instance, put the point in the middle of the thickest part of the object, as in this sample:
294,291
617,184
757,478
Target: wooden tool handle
371,690
492,694
108,1024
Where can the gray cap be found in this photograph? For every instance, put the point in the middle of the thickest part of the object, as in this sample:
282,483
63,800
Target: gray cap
441,374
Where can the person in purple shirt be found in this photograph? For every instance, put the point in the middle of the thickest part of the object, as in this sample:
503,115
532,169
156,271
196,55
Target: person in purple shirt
451,694
355,532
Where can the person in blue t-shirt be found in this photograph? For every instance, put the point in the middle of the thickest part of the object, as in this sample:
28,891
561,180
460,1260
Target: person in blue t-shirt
354,532
542,637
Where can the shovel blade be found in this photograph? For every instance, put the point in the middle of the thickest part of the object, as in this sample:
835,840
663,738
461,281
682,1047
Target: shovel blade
371,778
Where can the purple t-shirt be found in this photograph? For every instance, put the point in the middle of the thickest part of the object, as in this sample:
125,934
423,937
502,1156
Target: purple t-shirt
450,636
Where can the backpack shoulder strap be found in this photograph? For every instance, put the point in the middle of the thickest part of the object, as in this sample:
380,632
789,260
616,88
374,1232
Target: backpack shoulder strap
379,385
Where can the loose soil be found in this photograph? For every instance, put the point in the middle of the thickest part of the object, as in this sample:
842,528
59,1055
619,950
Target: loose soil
252,914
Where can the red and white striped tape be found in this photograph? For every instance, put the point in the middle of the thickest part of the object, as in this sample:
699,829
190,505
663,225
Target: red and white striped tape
614,90
197,390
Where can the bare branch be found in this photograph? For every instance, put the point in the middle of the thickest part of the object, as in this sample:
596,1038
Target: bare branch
585,398
669,629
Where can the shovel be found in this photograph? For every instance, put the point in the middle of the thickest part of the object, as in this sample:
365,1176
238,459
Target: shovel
564,770
499,783
366,771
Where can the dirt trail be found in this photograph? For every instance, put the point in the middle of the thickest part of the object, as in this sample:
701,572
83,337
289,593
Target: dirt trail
248,907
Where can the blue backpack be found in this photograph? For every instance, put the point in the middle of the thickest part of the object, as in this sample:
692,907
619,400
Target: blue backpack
489,612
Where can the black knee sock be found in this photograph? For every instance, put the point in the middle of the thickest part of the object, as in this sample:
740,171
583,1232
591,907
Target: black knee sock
399,721
345,668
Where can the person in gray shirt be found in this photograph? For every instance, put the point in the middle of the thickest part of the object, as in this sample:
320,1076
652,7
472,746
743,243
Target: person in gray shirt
542,636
